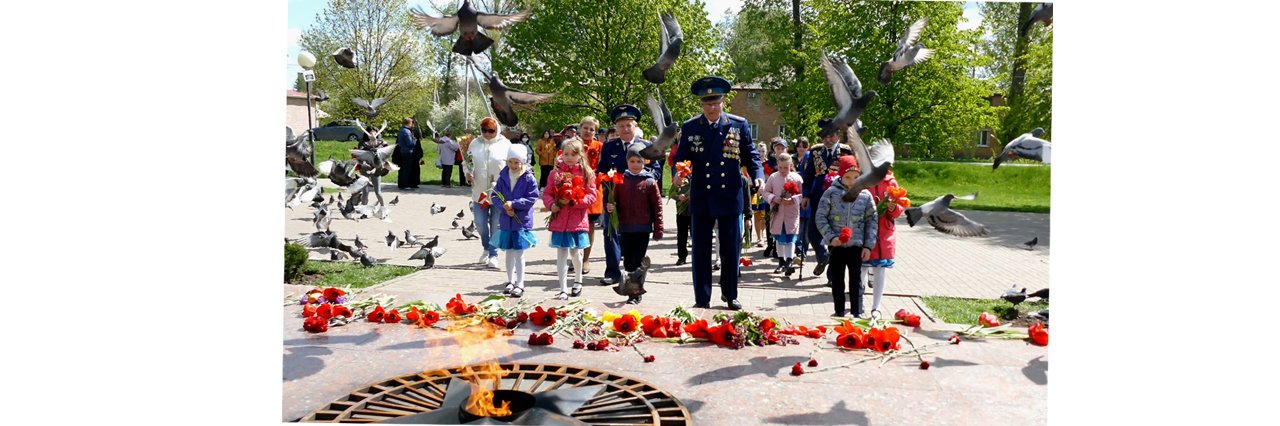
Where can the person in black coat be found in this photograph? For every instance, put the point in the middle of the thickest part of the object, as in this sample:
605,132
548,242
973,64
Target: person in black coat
408,155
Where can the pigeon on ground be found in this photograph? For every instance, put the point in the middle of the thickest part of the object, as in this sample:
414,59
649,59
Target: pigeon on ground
428,255
370,107
1029,146
391,238
360,244
409,239
322,219
908,52
460,214
455,223
1042,315
336,255
436,209
667,130
366,260
1014,296
503,99
946,220
1032,244
1043,294
846,91
669,49
468,233
394,201
1042,13
434,242
468,20
345,57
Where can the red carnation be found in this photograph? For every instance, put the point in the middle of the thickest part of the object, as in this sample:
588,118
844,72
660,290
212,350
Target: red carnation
955,339
325,311
522,317
377,314
499,321
797,370
603,343
593,347
545,339
813,363
316,325
988,320
577,344
342,310
649,358
391,317
543,318
924,365
845,234
625,324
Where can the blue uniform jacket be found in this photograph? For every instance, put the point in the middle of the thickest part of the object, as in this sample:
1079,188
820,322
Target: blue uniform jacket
817,163
717,152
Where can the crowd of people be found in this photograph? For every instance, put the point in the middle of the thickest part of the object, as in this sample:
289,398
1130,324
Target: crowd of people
787,197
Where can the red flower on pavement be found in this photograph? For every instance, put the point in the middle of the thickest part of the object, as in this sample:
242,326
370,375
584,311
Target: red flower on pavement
813,363
847,327
603,343
845,234
744,262
851,340
457,307
325,311
1038,334
316,325
698,329
545,339
872,338
332,294
342,310
577,344
428,318
955,339
722,334
797,370
499,321
625,324
924,365
817,332
907,318
308,311
522,317
377,314
414,315
543,318
392,317
767,325
988,320
649,358
888,340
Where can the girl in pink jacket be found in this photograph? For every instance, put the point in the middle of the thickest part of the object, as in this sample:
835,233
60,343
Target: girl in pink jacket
888,207
570,192
783,194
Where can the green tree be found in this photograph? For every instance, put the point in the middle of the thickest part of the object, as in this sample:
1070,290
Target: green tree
592,54
390,56
1030,56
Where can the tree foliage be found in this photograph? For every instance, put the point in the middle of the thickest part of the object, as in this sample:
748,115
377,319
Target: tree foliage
391,56
592,54
1032,107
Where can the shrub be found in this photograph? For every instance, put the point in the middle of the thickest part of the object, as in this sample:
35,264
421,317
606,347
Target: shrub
295,256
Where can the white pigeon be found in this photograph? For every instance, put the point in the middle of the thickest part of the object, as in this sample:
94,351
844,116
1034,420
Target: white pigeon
946,220
1029,146
908,52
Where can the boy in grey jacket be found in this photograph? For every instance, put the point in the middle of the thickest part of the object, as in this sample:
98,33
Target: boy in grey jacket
848,247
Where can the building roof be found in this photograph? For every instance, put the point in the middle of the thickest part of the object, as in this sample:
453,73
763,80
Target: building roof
295,94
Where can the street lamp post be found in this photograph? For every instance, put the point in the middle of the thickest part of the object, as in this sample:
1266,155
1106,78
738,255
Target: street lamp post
308,61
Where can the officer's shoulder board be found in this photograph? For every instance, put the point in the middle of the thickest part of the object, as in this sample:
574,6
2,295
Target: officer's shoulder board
735,118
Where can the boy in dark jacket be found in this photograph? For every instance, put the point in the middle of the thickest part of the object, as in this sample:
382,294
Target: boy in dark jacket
639,213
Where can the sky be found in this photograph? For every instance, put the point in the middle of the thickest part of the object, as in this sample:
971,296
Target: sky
302,14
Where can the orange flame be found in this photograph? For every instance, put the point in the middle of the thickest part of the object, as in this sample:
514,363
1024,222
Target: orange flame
475,340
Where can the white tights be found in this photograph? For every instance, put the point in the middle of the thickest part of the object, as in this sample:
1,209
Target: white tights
878,273
515,268
562,266
786,251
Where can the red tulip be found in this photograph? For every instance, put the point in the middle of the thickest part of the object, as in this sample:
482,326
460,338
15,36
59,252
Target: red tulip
698,329
1038,334
377,314
625,324
988,320
308,311
392,317
428,318
767,325
342,310
852,340
543,318
332,294
325,311
722,334
413,314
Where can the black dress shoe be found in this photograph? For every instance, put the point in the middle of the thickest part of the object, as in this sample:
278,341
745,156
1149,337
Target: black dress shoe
734,305
679,261
703,306
822,267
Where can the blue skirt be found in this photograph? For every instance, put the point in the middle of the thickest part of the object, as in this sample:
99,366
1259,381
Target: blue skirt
570,240
785,238
514,240
884,263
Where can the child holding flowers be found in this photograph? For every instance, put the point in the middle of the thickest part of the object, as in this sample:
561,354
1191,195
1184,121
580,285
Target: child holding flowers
680,189
517,190
849,228
639,212
891,201
570,193
782,193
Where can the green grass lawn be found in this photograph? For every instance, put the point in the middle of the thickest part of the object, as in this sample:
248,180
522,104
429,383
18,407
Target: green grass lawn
965,311
1021,189
348,274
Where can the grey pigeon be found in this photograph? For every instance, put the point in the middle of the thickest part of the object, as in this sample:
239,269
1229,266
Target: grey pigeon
1029,146
339,172
846,92
436,209
632,284
908,52
409,239
391,239
1014,296
1032,244
434,242
370,107
460,214
468,21
667,130
317,239
428,255
297,156
322,219
468,233
348,210
1042,13
944,219
503,99
320,96
1042,315
374,163
360,244
394,201
1043,294
336,255
345,57
455,223
365,260
874,163
671,43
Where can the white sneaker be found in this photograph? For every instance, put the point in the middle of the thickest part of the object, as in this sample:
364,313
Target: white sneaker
484,258
493,262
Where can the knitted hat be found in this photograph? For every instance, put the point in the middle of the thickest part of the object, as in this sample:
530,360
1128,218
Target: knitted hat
847,162
518,152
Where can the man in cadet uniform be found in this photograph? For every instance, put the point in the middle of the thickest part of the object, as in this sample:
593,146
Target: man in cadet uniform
820,161
613,156
718,145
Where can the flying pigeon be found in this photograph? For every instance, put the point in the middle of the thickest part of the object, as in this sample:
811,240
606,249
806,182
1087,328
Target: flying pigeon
317,239
434,242
345,57
320,96
908,53
428,255
322,219
1032,244
946,220
460,214
1042,13
359,244
370,107
1014,296
394,201
436,209
1043,294
503,99
671,43
468,20
297,155
1028,145
409,239
374,163
846,91
873,167
667,130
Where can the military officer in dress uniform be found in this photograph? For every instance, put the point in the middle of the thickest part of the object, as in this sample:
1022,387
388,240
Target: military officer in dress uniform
613,156
718,145
817,164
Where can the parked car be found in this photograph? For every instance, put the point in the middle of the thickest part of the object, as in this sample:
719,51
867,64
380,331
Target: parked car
336,131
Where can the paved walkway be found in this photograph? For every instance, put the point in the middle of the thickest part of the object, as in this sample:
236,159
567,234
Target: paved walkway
714,383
